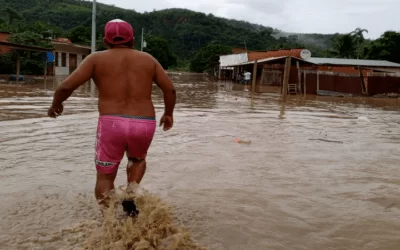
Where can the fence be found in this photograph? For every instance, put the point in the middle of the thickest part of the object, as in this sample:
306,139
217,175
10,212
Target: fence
313,80
381,83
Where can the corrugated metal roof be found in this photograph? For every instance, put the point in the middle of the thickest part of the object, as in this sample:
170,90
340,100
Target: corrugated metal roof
396,70
259,61
268,60
352,62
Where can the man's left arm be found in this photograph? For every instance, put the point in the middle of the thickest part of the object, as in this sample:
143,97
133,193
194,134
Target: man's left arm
82,74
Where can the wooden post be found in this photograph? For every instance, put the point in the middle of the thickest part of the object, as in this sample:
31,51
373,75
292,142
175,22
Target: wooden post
18,66
253,83
262,75
286,75
305,83
45,71
363,87
299,77
317,80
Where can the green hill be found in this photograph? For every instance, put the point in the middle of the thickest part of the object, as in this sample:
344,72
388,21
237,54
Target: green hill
177,36
185,30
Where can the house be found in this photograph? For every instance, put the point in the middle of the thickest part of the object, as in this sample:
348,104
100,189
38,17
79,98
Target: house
240,58
353,65
354,76
68,56
312,75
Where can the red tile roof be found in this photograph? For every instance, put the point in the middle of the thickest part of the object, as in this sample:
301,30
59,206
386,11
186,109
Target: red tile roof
238,50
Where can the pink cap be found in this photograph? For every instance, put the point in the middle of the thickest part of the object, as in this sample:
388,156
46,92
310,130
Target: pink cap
118,31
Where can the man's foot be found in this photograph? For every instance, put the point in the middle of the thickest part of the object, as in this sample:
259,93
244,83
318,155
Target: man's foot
130,208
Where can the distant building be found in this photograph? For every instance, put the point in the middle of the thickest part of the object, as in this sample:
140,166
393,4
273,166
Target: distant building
68,56
352,65
313,75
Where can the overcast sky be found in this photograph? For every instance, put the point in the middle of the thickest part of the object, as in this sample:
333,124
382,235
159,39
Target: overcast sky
301,16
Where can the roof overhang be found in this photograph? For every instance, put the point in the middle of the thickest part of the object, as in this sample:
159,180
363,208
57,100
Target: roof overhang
384,70
269,60
72,45
23,47
71,48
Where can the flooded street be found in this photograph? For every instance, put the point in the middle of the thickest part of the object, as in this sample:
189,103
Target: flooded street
319,173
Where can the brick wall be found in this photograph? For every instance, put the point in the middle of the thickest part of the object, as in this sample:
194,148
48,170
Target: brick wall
4,37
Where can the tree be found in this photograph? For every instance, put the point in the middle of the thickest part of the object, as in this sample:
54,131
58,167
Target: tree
6,63
344,47
30,38
387,47
186,31
31,62
80,34
10,15
159,48
207,58
359,39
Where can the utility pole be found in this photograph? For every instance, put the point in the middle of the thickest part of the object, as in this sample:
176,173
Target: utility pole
141,43
92,85
94,27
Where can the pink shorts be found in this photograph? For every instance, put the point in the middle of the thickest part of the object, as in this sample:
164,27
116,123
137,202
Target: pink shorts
119,134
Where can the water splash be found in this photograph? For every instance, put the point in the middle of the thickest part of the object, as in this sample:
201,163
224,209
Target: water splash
153,228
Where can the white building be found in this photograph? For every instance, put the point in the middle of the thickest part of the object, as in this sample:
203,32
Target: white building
68,56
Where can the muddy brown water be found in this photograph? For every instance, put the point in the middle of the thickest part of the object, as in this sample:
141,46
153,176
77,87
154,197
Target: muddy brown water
319,173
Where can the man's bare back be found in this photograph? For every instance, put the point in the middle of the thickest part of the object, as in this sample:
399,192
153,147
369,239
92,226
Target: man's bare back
124,78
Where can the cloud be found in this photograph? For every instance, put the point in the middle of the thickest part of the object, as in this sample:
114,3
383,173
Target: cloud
311,16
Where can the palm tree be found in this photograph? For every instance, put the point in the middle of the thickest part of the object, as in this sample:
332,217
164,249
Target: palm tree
358,36
344,46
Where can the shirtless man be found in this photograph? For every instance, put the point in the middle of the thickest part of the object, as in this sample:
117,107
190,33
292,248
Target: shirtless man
127,123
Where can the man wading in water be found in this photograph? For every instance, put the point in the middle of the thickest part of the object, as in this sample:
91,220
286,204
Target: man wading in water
127,123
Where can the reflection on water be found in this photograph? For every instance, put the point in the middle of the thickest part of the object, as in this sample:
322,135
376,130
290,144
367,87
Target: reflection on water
293,187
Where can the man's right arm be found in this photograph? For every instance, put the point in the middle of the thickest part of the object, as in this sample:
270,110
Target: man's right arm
165,84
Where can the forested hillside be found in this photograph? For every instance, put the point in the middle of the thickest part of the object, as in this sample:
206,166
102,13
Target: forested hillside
183,34
185,30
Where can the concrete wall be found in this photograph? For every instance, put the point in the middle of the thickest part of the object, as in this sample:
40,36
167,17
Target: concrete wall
62,70
69,49
79,59
227,60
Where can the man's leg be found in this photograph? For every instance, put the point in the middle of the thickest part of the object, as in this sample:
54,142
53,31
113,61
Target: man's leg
135,170
138,144
104,185
110,148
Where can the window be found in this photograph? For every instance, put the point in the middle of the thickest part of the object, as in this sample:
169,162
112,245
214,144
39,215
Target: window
63,59
56,59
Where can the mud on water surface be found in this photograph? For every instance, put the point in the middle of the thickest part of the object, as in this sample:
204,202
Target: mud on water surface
319,173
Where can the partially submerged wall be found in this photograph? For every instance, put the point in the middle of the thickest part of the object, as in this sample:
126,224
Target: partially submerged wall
382,83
